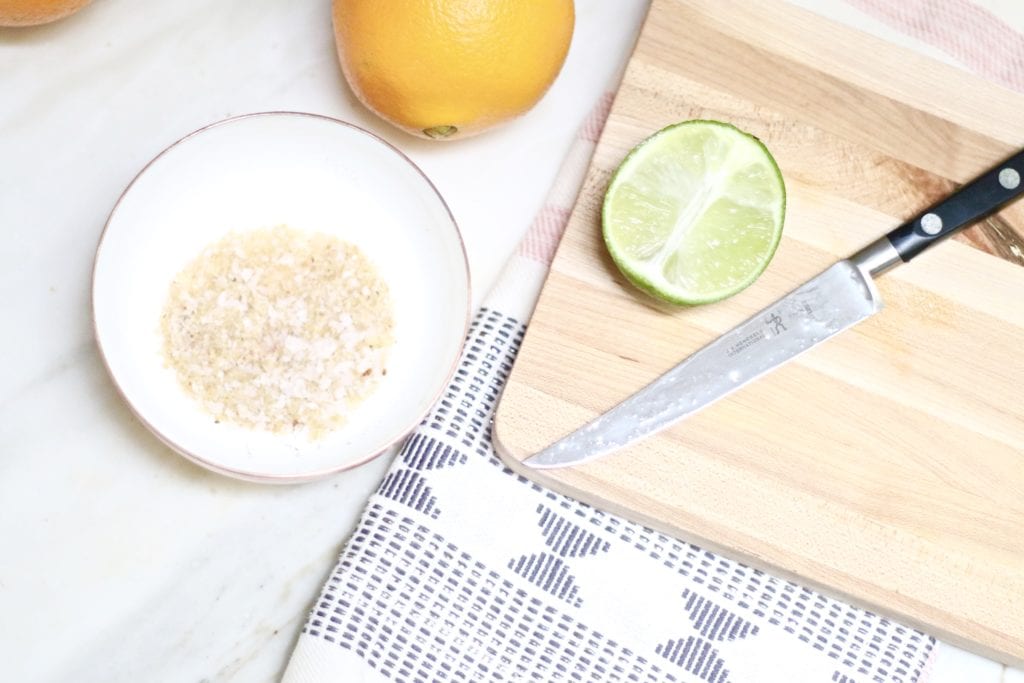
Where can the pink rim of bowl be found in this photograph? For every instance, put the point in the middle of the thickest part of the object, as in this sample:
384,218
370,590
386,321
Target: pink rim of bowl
391,163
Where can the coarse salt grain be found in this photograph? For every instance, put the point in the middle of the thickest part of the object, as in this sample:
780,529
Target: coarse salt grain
278,329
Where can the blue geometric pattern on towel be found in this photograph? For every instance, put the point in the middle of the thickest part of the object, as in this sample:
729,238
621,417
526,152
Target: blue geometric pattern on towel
697,656
568,539
548,573
405,484
713,621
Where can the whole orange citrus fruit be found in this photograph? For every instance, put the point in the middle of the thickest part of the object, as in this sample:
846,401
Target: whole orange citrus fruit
451,68
33,12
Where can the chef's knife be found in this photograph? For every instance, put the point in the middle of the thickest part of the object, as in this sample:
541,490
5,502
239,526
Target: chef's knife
821,308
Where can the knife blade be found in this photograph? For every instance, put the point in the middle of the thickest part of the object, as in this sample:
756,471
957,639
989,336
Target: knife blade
830,303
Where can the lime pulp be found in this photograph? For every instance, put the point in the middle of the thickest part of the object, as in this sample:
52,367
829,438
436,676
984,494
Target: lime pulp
695,212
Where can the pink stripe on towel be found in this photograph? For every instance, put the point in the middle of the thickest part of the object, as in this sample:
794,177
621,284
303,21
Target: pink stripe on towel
969,33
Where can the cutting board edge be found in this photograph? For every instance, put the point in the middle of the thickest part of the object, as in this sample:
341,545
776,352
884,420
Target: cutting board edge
515,463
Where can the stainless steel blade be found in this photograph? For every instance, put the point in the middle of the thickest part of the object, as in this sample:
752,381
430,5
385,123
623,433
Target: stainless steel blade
836,299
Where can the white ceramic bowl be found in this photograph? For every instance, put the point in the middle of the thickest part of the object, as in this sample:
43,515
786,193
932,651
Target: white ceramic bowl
312,173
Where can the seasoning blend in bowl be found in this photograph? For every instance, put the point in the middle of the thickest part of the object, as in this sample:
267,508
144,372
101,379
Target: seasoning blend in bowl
278,329
280,296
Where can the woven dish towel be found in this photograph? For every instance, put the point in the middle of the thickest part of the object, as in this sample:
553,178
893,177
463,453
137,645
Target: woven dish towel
461,570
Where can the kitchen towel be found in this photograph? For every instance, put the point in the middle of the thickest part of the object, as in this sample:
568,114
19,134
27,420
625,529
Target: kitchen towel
461,570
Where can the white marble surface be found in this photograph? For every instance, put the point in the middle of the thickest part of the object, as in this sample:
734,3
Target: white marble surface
119,561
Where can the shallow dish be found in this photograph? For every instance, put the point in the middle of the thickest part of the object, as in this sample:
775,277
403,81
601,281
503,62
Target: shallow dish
311,173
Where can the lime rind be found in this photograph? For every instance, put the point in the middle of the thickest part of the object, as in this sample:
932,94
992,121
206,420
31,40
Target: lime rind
694,213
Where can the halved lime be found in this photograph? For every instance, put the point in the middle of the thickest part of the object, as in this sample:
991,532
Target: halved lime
694,213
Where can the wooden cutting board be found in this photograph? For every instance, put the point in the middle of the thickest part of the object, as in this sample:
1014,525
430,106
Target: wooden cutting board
886,466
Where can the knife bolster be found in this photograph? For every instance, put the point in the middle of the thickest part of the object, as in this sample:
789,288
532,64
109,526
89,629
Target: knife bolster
876,258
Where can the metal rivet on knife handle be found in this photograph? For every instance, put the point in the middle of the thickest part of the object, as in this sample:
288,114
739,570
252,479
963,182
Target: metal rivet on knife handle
1009,178
931,223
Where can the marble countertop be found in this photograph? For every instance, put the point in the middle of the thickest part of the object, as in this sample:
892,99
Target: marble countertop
121,561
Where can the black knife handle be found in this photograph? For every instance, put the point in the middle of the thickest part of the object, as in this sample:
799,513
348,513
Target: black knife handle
972,202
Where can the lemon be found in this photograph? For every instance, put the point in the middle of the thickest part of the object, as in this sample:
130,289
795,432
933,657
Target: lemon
694,213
